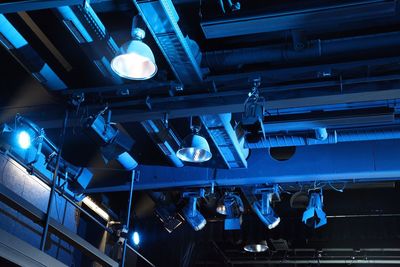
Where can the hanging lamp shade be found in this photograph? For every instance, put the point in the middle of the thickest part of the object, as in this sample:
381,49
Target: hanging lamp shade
194,148
135,62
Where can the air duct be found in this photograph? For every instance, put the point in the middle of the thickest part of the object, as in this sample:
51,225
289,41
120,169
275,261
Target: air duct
316,49
334,137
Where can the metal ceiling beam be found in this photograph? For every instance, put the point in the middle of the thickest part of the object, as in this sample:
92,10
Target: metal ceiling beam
217,103
23,52
30,5
361,161
275,19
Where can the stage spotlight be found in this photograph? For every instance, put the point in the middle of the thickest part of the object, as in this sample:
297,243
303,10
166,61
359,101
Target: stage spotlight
24,139
314,216
115,145
265,212
135,238
193,216
233,208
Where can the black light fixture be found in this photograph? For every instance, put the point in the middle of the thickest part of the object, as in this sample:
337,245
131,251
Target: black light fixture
136,60
115,145
314,216
232,206
194,147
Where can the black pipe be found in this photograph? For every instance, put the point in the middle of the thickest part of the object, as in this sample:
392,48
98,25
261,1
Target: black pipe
53,185
385,43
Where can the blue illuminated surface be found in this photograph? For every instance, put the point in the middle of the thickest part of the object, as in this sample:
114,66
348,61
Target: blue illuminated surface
24,140
136,238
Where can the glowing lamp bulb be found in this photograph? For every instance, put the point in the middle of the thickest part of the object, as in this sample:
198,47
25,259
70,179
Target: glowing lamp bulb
24,140
136,238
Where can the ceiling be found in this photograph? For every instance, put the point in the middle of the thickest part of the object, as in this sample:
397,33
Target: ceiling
330,66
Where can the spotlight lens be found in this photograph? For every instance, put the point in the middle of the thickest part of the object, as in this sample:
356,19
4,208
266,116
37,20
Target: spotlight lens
136,238
24,140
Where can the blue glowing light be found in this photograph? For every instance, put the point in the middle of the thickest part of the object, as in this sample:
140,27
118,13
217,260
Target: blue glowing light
24,140
136,238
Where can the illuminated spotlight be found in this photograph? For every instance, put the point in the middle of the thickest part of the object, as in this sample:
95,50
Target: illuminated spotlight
24,139
194,147
221,206
135,238
94,207
233,208
258,247
193,216
136,60
265,212
314,216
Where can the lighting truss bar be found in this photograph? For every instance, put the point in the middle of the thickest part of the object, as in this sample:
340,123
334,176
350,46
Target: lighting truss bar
362,95
36,215
370,161
30,5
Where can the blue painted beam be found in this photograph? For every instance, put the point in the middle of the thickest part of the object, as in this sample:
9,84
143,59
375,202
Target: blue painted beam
29,5
373,161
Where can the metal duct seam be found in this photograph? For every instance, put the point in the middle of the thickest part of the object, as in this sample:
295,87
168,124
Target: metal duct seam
333,138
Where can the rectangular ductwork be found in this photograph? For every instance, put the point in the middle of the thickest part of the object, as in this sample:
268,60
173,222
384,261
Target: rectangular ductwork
222,133
181,53
278,20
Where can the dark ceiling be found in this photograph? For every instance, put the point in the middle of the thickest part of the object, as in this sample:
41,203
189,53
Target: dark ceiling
330,65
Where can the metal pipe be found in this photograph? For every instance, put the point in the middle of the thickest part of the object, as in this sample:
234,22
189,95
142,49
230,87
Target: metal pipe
53,186
316,261
332,138
343,47
128,219
140,255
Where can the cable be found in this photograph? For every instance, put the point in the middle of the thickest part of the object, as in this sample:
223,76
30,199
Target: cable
338,189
